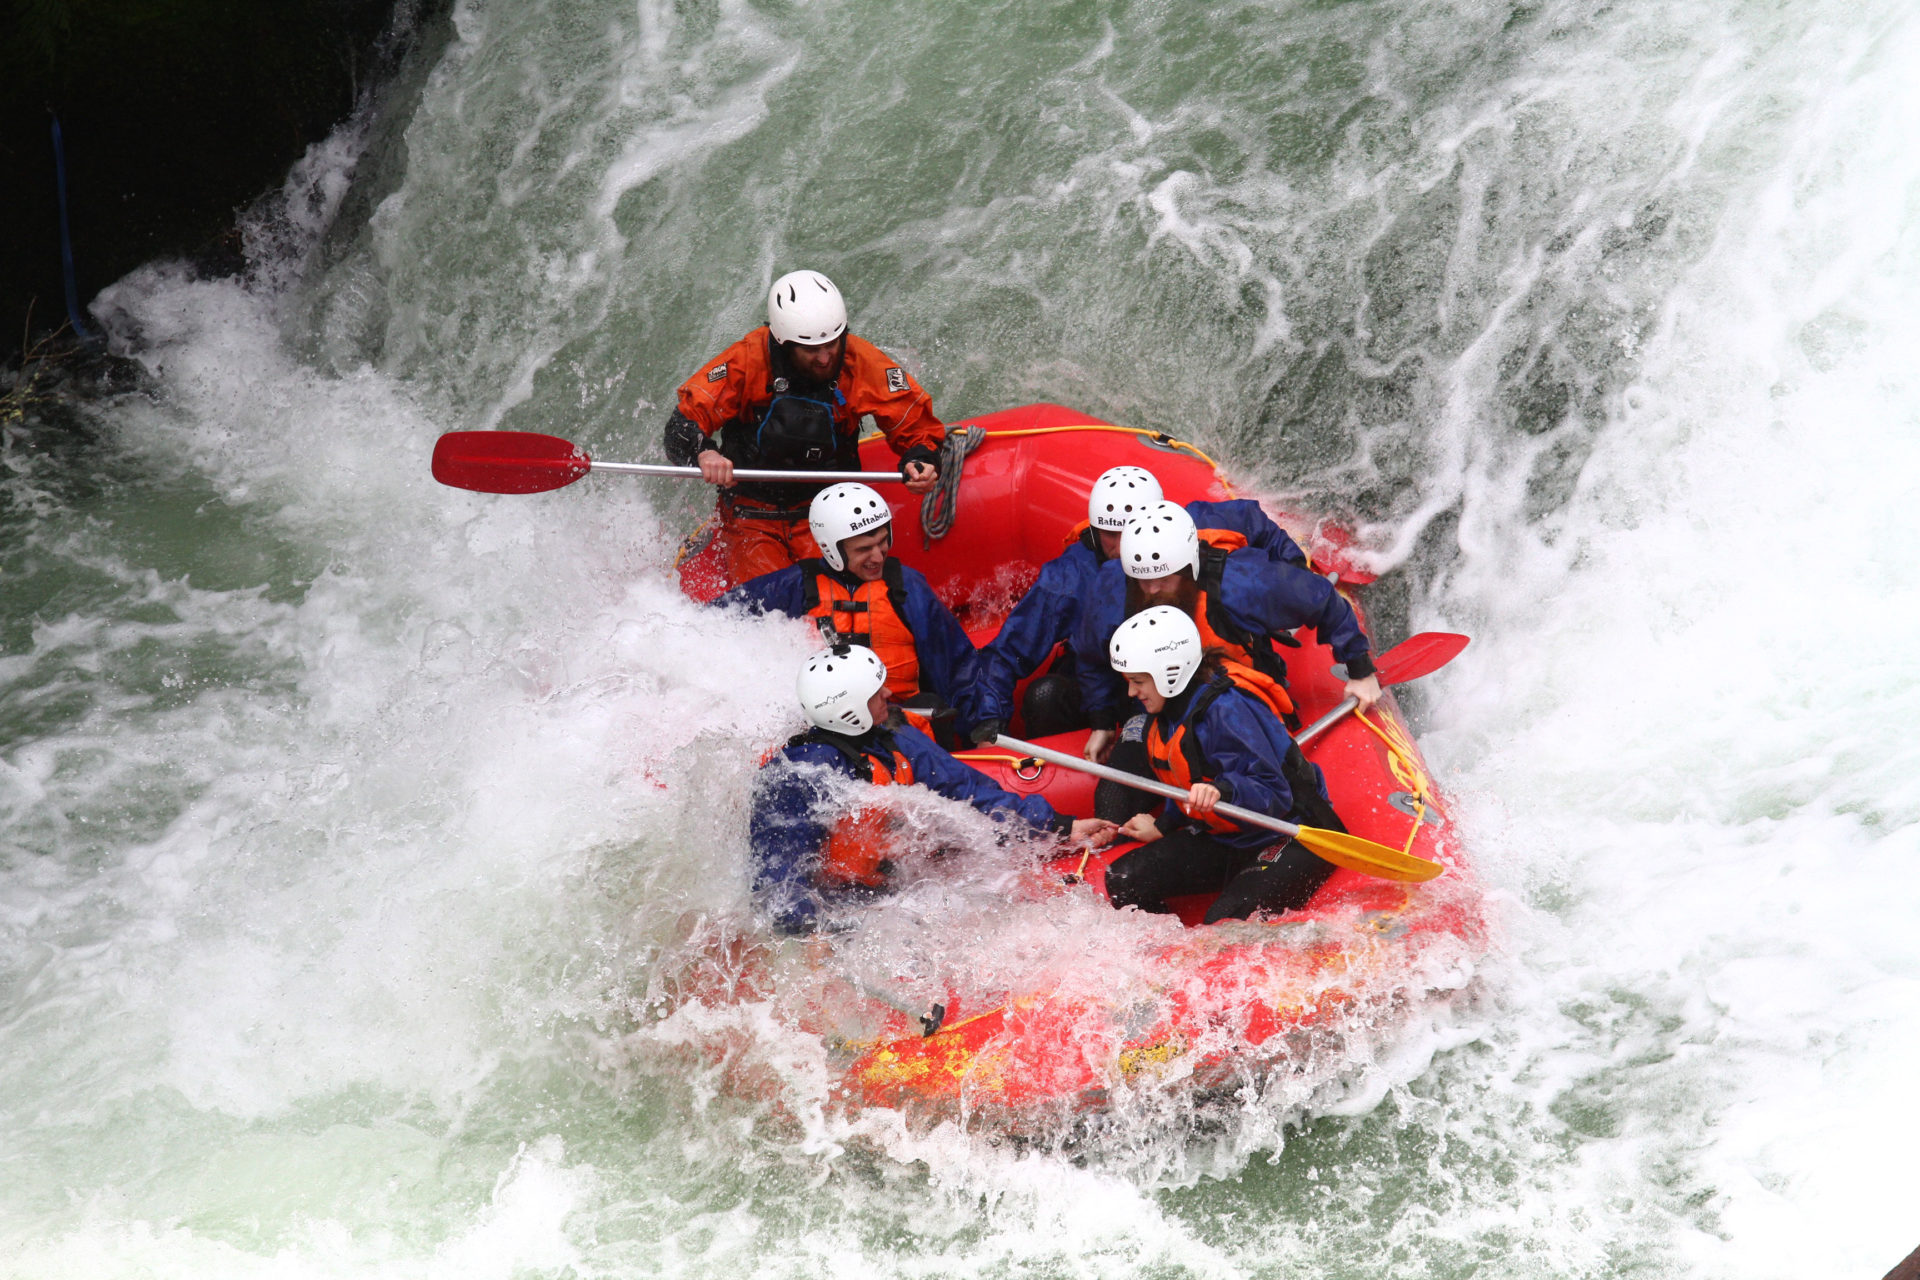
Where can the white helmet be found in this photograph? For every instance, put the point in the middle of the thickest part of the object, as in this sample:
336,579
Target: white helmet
835,686
1159,541
843,511
1161,642
804,307
1120,494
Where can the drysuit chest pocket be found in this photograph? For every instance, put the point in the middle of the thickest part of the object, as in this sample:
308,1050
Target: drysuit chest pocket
797,431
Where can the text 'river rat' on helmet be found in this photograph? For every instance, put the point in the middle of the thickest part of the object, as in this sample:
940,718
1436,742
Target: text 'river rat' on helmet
1159,541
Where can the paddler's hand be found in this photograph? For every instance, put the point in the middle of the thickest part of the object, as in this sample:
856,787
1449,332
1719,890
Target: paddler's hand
1201,798
1099,745
715,467
1141,827
921,477
1093,832
1366,691
986,731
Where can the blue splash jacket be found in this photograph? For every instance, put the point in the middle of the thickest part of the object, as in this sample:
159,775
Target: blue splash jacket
1243,743
1262,596
1050,611
794,811
947,656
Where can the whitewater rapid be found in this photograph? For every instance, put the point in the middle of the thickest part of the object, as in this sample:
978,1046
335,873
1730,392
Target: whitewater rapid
352,825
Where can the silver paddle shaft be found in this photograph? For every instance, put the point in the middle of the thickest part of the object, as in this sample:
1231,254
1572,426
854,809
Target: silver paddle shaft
1325,722
740,474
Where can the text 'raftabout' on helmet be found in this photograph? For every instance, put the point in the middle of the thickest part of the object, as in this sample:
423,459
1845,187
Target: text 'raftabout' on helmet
1120,494
843,511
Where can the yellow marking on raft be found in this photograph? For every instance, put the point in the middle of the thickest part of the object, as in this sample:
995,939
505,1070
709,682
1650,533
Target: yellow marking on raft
913,1063
1404,762
1151,1056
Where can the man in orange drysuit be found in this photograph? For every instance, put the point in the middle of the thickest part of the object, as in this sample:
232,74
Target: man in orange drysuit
789,397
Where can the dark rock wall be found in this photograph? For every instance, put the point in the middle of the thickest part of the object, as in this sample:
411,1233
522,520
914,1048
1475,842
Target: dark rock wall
175,113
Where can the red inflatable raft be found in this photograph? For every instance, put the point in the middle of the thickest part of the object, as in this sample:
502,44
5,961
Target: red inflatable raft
1233,997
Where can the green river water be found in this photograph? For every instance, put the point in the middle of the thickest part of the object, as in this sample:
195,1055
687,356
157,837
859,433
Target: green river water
358,835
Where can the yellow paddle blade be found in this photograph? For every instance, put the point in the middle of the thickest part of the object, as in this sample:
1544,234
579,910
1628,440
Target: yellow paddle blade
1366,857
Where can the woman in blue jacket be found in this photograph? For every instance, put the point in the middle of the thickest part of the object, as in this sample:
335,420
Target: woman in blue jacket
1212,732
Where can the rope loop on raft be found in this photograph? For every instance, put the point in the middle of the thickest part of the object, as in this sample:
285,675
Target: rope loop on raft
938,507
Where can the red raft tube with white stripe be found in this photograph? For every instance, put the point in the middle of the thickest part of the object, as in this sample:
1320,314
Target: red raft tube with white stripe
1237,997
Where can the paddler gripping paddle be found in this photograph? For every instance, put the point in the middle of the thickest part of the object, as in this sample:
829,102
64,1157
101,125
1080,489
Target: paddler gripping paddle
1412,658
1337,847
1409,660
528,462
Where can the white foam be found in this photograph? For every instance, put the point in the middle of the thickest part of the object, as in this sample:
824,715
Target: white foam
383,881
1694,701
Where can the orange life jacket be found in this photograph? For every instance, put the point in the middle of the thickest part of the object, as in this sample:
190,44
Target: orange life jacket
858,845
1218,630
736,386
872,614
1227,540
1176,759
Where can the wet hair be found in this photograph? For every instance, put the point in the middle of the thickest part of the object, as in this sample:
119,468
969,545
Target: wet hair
1210,666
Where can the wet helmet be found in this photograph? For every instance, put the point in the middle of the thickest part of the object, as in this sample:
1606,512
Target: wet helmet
1159,541
804,307
1120,494
1161,642
835,686
845,511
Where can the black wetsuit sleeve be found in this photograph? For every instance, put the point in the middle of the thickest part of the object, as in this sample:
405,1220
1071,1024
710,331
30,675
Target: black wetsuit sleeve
920,453
684,439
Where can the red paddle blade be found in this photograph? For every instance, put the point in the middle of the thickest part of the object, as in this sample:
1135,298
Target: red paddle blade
1419,655
507,461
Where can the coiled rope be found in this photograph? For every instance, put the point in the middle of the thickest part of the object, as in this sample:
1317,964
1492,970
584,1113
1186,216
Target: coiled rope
938,507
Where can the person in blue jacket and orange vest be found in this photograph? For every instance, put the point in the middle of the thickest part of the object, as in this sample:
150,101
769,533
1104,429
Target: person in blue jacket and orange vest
1244,602
1050,611
860,594
1214,729
790,397
809,851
